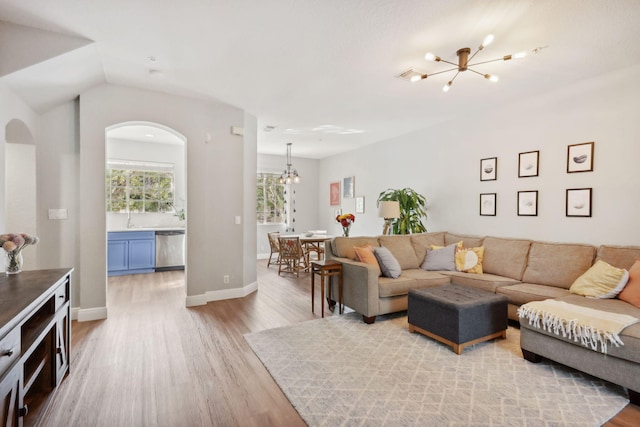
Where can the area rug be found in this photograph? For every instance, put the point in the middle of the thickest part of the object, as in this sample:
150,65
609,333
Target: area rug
339,371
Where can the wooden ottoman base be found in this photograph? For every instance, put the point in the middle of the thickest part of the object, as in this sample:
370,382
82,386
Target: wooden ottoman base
457,348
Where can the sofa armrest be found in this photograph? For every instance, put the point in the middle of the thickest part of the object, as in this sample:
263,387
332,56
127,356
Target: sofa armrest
359,286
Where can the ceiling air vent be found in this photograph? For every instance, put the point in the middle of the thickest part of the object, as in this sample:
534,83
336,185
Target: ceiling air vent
410,73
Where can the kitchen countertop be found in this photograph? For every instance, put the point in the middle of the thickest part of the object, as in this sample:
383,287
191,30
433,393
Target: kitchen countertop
150,228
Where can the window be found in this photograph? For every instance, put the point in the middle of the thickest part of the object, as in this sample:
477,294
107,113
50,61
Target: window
271,199
139,187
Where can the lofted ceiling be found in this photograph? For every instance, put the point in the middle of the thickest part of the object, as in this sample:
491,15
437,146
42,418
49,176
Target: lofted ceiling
319,74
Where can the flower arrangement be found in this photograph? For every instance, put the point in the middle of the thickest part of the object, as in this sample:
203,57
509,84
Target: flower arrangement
346,220
13,244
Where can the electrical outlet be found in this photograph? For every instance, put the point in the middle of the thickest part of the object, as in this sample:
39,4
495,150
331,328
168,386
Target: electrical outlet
226,279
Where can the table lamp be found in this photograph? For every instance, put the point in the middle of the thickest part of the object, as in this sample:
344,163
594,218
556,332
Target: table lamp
389,210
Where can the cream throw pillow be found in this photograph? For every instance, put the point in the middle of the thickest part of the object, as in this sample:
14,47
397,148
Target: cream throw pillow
602,280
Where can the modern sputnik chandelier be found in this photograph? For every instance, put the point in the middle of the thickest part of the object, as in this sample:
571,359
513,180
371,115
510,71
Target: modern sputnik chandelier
464,63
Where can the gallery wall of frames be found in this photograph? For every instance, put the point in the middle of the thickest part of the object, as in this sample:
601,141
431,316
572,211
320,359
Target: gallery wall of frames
578,201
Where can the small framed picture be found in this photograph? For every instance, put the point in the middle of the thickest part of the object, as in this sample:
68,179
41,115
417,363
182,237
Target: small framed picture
360,204
488,169
580,157
579,202
528,203
334,193
348,187
528,164
488,204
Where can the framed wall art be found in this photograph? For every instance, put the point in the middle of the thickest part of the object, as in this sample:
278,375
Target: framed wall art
489,169
334,193
579,202
488,204
528,203
360,204
528,164
348,187
580,157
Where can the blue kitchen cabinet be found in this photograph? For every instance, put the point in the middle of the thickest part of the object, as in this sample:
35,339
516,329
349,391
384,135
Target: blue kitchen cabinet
131,252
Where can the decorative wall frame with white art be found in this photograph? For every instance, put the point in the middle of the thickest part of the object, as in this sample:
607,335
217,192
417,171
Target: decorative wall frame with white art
488,204
334,193
528,164
489,169
348,187
360,204
528,203
580,157
579,202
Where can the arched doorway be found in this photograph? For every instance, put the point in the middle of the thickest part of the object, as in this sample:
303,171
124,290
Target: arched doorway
145,175
20,183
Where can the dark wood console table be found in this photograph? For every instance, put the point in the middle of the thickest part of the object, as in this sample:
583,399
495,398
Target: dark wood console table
35,334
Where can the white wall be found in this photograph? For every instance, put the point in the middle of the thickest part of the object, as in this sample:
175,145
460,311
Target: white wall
250,142
442,163
306,196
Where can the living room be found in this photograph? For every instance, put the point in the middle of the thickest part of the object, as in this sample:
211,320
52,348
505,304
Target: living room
439,156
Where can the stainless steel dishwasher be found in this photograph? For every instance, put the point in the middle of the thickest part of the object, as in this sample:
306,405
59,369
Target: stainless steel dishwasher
169,250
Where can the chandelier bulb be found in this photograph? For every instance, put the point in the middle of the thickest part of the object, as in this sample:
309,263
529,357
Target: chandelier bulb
416,78
491,78
519,55
487,41
296,179
446,87
430,56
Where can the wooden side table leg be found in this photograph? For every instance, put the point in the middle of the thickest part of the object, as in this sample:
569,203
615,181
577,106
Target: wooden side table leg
322,291
313,289
340,303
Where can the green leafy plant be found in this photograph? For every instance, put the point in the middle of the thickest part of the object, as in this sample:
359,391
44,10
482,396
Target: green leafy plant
413,208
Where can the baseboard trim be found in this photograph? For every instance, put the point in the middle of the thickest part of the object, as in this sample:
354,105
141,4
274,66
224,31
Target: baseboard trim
89,314
202,299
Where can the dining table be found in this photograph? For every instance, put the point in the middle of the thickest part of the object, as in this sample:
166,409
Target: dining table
315,243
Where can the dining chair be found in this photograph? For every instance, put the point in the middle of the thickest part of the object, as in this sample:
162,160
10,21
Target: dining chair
275,248
293,257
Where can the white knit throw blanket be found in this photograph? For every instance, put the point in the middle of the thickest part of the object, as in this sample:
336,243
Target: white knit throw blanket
591,327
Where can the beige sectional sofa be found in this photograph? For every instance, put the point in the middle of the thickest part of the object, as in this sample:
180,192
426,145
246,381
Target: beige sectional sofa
522,270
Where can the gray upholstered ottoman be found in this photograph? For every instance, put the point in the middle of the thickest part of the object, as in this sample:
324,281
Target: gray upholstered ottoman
457,315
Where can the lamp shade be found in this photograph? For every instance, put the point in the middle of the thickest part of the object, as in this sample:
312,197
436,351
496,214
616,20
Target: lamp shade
389,209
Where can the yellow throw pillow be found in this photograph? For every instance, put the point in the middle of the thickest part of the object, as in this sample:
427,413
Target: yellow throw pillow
365,254
469,260
460,246
602,280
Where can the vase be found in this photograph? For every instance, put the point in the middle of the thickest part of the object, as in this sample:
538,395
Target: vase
345,231
13,262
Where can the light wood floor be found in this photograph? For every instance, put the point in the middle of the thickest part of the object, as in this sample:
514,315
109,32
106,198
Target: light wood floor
154,362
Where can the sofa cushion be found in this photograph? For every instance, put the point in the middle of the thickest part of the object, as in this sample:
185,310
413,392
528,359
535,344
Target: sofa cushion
343,246
388,263
440,259
402,249
469,260
467,241
631,292
618,256
602,280
410,279
522,293
557,264
365,254
423,241
630,336
505,257
487,282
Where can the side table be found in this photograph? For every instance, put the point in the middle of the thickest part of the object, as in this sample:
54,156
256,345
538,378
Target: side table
326,269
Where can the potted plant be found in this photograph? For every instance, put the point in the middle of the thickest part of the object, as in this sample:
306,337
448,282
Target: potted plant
413,208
